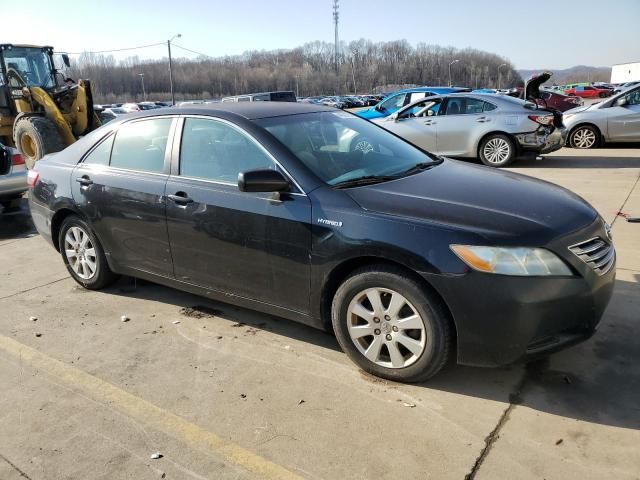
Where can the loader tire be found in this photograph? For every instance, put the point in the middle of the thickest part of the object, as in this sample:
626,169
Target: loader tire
35,137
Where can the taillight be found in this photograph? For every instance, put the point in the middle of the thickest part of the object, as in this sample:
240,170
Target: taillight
542,119
32,178
16,159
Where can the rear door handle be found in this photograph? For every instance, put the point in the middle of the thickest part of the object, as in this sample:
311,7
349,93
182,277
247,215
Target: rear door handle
181,198
429,122
84,180
483,120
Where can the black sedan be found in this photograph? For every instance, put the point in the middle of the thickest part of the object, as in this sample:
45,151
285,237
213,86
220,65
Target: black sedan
409,258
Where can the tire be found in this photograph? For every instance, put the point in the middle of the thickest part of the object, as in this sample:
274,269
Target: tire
35,137
430,343
497,150
584,137
101,276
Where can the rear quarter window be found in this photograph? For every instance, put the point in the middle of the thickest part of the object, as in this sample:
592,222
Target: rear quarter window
101,154
488,107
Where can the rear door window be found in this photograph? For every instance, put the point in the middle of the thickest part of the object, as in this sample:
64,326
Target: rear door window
141,145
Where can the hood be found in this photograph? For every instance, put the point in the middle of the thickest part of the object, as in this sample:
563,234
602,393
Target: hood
506,207
370,113
533,84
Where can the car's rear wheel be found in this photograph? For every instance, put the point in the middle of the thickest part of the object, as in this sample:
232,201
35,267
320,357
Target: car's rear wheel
497,150
584,137
83,255
390,326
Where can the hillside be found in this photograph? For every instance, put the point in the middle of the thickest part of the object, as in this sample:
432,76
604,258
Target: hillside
579,73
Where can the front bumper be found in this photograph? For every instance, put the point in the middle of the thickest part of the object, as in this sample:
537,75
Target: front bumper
503,319
542,140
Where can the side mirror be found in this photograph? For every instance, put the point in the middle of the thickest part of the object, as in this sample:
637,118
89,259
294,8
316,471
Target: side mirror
262,181
65,59
621,102
394,117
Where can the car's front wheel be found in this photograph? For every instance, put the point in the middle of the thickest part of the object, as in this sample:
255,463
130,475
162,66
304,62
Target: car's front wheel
497,150
391,326
83,255
584,137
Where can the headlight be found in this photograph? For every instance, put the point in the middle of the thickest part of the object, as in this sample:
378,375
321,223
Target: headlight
511,261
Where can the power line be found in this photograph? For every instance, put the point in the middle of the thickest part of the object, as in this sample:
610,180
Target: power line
192,51
116,50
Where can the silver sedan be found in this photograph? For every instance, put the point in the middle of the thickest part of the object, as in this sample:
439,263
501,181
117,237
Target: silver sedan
494,128
13,177
615,120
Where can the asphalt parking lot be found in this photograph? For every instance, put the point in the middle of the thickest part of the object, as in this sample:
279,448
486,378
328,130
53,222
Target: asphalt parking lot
226,393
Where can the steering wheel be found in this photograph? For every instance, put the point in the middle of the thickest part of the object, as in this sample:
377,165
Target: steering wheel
65,90
12,73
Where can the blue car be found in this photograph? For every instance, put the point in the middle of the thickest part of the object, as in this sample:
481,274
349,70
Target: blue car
396,100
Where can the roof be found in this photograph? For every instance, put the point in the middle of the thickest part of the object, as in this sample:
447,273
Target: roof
249,110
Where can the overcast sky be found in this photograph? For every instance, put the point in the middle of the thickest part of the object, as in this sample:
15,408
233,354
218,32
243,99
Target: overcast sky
544,34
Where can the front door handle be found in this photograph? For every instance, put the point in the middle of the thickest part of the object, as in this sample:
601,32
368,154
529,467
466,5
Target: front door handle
429,122
181,198
84,181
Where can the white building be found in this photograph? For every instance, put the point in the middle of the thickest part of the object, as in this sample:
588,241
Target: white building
625,72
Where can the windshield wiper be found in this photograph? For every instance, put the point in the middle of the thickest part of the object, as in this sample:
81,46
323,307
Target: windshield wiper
420,167
366,180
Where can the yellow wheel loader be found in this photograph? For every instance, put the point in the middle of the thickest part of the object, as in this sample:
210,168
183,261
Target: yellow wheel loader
40,112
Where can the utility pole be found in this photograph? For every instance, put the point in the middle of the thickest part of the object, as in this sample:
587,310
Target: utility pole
451,63
144,93
336,17
297,85
173,95
499,74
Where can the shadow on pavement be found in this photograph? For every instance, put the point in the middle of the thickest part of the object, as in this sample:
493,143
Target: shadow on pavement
16,223
597,381
144,290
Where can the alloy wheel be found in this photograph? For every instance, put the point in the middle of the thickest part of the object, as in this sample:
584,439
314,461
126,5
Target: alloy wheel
497,150
584,138
80,252
386,328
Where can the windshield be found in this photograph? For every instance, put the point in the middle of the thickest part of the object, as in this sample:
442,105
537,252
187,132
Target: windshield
340,147
392,104
27,66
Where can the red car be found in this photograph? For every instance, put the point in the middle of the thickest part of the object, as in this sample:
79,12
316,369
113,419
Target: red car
588,92
546,98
